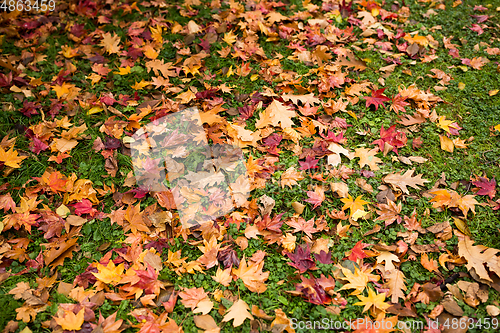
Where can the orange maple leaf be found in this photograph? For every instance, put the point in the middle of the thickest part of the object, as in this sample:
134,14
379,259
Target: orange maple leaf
10,158
70,321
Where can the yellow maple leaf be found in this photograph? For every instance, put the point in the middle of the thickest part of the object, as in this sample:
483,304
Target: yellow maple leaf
276,114
229,37
110,273
357,280
62,89
444,124
497,127
156,34
70,321
10,158
140,85
373,300
354,205
123,70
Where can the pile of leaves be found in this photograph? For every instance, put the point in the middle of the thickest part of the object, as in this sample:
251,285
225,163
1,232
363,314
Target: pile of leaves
370,135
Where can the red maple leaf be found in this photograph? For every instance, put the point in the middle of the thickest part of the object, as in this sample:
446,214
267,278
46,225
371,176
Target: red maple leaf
83,207
397,139
273,224
357,251
486,187
310,163
312,291
377,98
301,258
38,145
398,104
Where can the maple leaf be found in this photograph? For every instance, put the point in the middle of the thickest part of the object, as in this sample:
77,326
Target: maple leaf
376,98
357,280
354,205
398,104
404,180
429,264
109,325
252,276
300,224
324,257
238,312
486,187
109,274
392,137
316,197
357,251
111,43
373,300
310,163
367,157
389,212
37,146
10,158
478,256
70,321
192,296
276,114
312,291
223,276
301,258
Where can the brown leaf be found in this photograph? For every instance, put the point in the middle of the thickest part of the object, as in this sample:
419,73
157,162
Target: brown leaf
404,180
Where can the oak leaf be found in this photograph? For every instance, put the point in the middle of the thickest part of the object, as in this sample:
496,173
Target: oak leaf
395,281
478,256
404,180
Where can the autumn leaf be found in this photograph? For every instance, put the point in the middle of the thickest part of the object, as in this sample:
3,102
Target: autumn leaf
252,276
404,180
354,206
70,321
395,281
11,158
111,43
486,187
290,177
109,274
478,256
376,98
429,264
367,157
373,300
276,114
316,197
357,280
238,312
389,213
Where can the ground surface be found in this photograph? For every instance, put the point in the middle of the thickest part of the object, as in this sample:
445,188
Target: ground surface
371,140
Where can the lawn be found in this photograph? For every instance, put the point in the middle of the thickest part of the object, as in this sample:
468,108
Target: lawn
221,166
